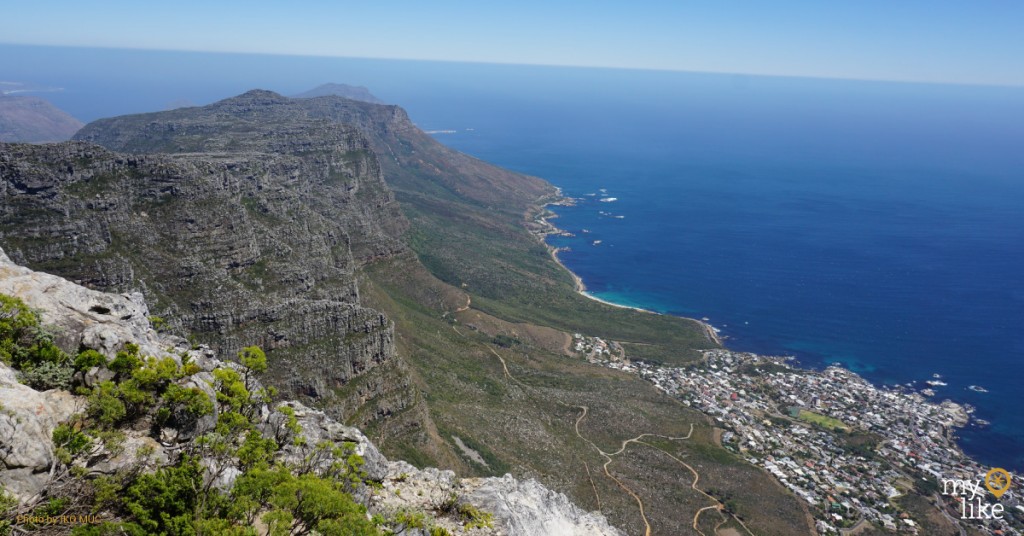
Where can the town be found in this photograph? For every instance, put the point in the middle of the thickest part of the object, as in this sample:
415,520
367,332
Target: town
848,448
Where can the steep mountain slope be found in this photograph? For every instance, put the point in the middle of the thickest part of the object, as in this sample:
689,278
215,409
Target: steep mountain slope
471,221
33,120
479,379
259,245
412,160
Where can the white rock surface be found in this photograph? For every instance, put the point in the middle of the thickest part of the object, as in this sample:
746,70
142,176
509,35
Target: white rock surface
27,420
98,320
527,508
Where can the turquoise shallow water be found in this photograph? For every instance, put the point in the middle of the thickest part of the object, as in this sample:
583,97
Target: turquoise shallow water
877,225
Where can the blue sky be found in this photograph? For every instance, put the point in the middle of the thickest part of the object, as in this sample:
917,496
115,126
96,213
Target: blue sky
976,42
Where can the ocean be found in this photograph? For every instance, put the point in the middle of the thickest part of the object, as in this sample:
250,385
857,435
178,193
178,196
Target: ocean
877,225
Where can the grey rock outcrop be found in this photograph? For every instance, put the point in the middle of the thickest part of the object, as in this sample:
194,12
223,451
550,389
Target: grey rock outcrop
82,317
27,420
519,508
318,427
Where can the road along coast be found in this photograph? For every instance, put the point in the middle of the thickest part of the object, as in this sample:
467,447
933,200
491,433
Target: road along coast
541,226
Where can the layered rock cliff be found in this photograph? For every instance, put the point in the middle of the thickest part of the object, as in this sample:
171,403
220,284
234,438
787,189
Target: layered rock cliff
247,222
414,164
256,240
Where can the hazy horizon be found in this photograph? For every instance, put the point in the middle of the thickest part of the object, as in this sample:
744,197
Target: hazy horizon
915,41
500,64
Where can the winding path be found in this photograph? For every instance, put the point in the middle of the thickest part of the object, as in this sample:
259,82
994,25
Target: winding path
609,458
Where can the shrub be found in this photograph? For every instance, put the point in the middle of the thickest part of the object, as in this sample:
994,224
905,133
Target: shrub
24,344
181,499
321,506
505,341
48,375
253,358
126,361
69,442
190,400
231,391
166,502
474,517
104,404
88,359
17,321
158,323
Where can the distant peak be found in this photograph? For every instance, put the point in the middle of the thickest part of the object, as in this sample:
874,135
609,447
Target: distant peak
256,96
358,93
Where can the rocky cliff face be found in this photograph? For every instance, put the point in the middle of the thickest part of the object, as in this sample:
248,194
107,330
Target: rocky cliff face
107,322
254,241
414,164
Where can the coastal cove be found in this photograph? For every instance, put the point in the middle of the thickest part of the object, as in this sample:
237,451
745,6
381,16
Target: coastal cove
874,440
883,246
548,229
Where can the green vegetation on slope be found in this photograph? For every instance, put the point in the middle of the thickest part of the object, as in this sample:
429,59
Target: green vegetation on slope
511,275
524,420
824,421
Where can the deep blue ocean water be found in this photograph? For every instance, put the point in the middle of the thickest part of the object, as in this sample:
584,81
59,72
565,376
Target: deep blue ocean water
878,225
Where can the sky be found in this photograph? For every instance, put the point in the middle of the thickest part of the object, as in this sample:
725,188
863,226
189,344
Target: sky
976,42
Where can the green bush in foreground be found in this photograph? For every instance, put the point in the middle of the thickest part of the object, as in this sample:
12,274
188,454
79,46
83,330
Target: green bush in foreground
29,349
180,499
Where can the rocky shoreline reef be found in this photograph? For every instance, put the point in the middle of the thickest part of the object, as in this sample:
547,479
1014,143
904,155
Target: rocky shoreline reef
108,426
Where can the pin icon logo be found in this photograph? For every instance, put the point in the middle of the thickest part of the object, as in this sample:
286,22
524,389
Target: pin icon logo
997,481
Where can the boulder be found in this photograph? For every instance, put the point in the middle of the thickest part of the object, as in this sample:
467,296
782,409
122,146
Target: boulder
81,317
